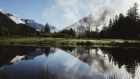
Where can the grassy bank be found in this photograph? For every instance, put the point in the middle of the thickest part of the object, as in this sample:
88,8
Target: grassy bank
39,41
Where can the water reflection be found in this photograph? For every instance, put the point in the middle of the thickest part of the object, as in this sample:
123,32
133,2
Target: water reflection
7,53
69,63
17,59
129,57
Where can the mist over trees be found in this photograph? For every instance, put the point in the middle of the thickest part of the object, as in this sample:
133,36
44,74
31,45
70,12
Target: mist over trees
125,27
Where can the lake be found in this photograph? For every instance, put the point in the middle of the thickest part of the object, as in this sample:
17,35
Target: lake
69,63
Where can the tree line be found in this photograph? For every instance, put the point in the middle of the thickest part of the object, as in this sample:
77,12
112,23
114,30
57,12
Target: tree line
125,27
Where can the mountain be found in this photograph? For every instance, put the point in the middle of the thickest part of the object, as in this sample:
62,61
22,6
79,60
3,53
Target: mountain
93,21
30,23
33,24
16,19
53,28
38,26
81,25
86,23
8,27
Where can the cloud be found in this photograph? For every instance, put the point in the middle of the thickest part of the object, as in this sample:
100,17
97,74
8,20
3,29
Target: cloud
63,13
124,5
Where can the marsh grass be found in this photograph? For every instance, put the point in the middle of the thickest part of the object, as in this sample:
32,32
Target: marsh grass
67,42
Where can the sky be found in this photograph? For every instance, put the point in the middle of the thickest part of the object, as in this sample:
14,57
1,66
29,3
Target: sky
62,13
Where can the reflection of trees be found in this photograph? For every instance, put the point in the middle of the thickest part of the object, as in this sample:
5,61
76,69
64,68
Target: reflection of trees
38,52
94,58
9,52
35,53
82,54
70,49
127,57
47,51
120,56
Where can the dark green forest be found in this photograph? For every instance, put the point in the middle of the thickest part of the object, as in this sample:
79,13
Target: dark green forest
9,28
125,27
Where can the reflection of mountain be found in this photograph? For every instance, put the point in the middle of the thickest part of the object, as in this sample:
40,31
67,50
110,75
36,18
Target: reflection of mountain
78,63
17,59
38,52
35,53
13,54
58,65
97,66
63,65
129,57
7,53
94,58
105,59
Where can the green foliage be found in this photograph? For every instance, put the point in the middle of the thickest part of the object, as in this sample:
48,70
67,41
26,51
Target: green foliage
59,35
87,43
91,34
69,33
44,34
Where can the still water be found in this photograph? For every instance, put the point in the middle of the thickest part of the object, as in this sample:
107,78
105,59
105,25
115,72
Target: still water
69,63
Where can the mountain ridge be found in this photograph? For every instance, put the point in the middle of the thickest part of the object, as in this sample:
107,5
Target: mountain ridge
92,21
8,27
30,22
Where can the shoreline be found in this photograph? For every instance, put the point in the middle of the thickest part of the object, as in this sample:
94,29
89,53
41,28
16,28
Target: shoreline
67,42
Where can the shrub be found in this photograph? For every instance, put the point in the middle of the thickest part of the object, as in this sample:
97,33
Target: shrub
88,43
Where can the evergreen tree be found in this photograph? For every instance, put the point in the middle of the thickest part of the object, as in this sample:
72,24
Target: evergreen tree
133,13
47,28
72,32
126,27
69,33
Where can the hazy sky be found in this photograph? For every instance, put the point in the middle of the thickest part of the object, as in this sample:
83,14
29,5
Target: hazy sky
61,13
